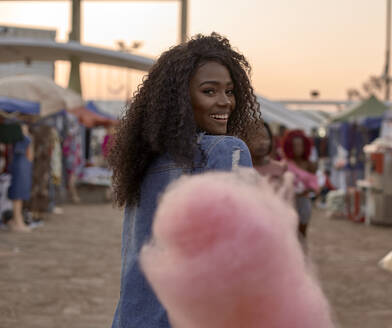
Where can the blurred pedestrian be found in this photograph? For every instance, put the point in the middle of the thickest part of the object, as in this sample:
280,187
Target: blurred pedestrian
297,149
277,151
325,186
261,143
21,177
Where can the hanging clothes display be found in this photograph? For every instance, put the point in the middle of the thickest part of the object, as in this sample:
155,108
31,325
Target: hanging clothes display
10,133
5,202
41,173
56,158
72,146
73,155
3,157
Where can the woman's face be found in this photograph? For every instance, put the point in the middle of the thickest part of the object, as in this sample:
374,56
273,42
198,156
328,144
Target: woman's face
212,97
25,129
260,143
298,147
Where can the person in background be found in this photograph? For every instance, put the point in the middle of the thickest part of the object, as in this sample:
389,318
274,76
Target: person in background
261,144
21,177
326,186
277,152
297,148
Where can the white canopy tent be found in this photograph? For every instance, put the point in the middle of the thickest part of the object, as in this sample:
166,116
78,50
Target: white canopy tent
40,89
276,113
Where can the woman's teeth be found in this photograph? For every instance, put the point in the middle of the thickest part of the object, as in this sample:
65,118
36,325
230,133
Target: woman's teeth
220,116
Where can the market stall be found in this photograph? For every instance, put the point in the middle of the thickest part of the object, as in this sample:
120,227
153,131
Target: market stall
378,176
349,133
94,182
61,123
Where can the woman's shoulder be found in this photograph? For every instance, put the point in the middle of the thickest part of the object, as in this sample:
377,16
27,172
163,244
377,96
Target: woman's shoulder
211,143
225,152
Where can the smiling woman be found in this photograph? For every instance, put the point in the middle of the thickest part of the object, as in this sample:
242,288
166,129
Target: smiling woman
184,119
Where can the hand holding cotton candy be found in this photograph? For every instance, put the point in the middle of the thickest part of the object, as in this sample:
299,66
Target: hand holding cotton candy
225,254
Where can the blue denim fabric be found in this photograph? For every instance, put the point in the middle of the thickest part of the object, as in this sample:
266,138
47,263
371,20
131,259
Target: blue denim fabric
138,306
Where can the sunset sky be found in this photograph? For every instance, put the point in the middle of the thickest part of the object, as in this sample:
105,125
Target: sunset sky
294,46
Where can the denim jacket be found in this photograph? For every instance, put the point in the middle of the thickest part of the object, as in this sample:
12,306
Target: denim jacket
138,306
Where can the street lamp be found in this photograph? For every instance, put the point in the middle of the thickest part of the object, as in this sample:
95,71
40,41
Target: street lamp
314,94
121,45
387,53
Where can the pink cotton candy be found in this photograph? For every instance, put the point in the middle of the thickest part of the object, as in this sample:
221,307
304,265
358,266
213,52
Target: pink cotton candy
225,254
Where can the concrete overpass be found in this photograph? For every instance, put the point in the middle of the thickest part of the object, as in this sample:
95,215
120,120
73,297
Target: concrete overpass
74,78
27,49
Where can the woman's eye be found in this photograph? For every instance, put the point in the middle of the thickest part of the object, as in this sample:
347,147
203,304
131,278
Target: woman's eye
230,92
209,91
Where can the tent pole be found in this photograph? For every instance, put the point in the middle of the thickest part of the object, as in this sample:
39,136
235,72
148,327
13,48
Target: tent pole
388,47
74,75
184,20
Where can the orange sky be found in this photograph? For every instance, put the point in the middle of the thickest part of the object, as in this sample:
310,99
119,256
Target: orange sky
293,46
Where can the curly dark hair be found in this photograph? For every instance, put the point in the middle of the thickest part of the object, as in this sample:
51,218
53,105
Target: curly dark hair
160,118
288,148
270,138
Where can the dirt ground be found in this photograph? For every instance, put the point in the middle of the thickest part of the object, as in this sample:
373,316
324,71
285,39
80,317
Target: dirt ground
64,274
346,256
67,273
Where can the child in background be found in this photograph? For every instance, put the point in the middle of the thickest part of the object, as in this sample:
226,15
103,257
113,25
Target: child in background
260,145
297,149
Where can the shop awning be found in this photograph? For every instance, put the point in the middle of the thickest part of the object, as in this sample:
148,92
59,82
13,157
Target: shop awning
21,106
41,90
371,107
92,106
90,119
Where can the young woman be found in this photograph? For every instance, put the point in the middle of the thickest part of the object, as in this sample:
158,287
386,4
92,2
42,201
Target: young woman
182,119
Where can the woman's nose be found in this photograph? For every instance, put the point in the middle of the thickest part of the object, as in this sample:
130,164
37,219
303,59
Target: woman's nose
224,99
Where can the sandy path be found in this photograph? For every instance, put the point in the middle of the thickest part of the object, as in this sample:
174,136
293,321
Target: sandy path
66,273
